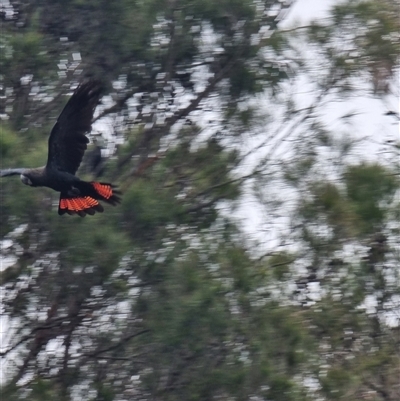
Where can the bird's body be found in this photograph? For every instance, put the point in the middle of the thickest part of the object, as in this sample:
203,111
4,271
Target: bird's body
67,145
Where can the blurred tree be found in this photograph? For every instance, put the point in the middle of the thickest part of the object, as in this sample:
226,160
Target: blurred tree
348,238
164,298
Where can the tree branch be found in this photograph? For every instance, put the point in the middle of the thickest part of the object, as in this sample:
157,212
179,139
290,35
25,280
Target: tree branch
153,132
115,346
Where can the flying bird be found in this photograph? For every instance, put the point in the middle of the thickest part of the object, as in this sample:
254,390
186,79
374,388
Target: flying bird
67,145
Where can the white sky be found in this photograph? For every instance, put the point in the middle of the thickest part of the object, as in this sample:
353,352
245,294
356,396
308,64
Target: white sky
304,11
371,120
370,123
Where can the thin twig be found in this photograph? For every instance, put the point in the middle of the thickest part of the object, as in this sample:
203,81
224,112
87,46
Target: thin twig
119,344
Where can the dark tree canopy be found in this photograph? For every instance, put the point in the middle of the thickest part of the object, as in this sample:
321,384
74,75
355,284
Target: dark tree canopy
168,297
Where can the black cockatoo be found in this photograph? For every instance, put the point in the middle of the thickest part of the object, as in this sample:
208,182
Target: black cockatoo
67,145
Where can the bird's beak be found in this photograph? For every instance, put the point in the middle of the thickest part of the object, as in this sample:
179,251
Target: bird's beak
26,180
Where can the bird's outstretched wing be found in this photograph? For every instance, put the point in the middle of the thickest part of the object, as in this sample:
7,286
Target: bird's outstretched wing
11,171
68,142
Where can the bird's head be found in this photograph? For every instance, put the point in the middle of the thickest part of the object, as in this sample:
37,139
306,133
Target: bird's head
25,180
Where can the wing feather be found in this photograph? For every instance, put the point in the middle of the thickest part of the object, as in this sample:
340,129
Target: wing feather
68,142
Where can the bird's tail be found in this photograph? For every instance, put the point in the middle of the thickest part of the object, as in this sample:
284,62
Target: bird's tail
105,192
87,201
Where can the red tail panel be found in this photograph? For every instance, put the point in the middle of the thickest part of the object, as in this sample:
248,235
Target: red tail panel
104,190
86,201
79,205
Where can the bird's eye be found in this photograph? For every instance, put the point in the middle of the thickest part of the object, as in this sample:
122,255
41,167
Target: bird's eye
26,180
